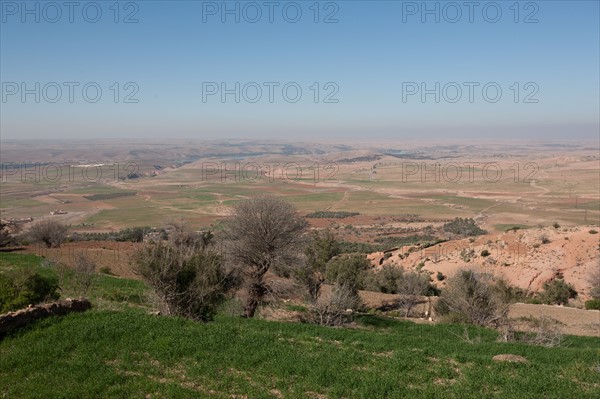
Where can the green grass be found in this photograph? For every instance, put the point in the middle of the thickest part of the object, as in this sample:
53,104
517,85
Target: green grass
106,291
131,354
128,353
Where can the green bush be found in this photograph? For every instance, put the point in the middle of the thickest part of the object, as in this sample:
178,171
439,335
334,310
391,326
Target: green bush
592,304
25,288
557,292
440,276
463,227
485,253
384,280
348,270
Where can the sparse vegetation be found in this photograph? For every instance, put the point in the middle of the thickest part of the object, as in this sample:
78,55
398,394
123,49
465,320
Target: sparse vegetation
50,232
331,214
470,297
463,227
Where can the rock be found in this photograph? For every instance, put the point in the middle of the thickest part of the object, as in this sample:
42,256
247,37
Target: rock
509,358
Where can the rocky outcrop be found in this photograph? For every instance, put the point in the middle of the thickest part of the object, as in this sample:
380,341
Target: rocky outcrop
23,317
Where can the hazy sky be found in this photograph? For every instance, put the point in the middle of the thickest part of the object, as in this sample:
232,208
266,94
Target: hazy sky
193,69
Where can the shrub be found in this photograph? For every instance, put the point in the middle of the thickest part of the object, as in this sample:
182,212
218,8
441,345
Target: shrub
556,225
189,282
337,309
85,273
463,227
592,304
593,231
544,239
594,280
331,214
471,297
412,286
485,253
440,276
49,232
384,280
320,249
25,288
557,292
348,270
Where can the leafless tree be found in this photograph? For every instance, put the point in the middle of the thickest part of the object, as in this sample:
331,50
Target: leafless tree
261,233
412,286
85,269
50,232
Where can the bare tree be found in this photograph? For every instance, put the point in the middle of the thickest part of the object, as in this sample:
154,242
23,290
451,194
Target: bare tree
85,269
320,249
50,232
412,286
261,233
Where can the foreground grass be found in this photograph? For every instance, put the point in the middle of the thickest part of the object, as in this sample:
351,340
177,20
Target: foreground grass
132,354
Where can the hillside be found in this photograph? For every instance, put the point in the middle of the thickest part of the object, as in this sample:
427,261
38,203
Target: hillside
522,257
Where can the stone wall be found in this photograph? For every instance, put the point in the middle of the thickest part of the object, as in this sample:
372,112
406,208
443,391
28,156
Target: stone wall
23,317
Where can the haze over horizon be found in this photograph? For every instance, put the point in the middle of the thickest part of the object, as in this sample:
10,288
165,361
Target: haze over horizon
366,70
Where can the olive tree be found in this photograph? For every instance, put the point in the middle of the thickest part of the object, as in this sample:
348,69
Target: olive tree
262,233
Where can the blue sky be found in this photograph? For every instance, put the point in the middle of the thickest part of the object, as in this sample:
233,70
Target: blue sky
370,57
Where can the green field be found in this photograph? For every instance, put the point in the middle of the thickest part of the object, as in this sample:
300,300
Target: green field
118,350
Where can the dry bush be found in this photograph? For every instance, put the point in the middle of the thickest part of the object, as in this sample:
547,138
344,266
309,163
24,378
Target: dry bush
544,331
189,282
85,273
50,232
412,286
594,280
335,310
472,298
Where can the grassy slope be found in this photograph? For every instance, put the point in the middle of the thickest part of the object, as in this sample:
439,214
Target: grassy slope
128,353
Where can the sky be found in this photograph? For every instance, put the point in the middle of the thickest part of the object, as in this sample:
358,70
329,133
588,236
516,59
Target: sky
299,70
